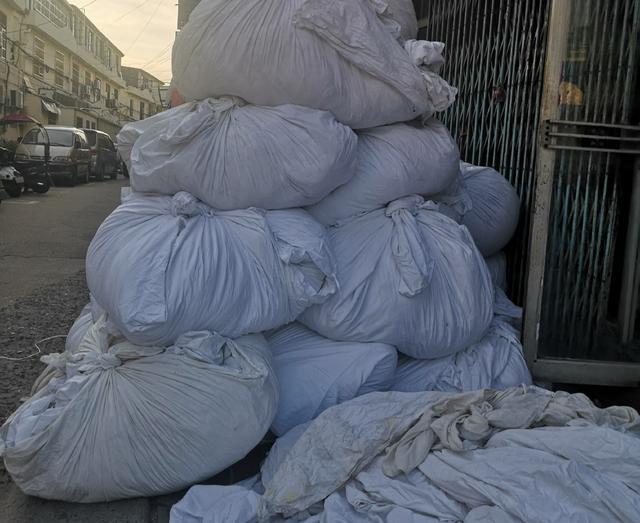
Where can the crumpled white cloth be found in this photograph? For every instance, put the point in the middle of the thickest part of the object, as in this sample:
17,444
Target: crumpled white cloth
524,454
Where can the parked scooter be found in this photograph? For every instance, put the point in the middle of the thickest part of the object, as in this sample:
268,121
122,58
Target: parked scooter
11,179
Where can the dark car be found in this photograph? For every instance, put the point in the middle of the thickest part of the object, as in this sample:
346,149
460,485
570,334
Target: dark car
104,156
69,152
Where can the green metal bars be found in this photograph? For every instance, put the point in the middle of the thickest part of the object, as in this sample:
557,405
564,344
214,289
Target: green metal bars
495,56
591,188
549,97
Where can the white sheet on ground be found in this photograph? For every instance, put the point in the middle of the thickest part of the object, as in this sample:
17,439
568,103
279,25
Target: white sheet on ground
436,288
146,267
524,454
333,55
393,161
232,156
117,420
316,373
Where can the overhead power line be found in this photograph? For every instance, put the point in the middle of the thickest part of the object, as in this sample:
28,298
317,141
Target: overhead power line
144,27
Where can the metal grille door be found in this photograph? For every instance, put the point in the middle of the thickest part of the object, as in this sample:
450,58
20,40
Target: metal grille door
495,56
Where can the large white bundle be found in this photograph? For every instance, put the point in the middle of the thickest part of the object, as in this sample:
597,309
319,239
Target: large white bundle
410,277
117,420
234,156
334,55
316,373
494,211
161,266
495,362
393,161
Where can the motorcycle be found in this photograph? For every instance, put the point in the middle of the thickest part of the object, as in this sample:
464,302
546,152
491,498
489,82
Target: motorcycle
12,180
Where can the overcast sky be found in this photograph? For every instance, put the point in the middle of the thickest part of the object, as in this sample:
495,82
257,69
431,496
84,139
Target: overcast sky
145,35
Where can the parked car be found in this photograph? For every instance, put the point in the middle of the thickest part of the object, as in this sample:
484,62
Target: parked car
104,156
69,152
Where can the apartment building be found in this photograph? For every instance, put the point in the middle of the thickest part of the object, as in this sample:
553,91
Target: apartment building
60,69
145,91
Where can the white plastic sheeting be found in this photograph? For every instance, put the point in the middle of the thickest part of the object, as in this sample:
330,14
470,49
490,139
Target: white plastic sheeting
233,156
333,55
495,208
433,457
316,373
161,266
410,277
393,161
116,420
495,362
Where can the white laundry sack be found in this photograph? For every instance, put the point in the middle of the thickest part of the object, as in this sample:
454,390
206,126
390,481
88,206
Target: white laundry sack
117,420
494,212
333,55
393,161
79,328
498,269
410,277
495,362
232,156
161,266
316,373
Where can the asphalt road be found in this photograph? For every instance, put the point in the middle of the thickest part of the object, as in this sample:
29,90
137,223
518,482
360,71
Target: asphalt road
44,238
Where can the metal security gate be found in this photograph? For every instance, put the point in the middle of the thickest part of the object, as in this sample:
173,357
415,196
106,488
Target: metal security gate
495,57
548,96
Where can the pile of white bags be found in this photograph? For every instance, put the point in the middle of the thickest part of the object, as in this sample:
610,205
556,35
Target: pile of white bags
117,420
269,263
161,266
410,277
393,161
240,155
316,373
333,55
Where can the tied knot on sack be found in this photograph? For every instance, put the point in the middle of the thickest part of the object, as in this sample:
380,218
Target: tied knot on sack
184,204
415,266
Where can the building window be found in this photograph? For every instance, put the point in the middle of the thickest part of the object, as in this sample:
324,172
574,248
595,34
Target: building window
3,36
115,94
52,119
38,57
51,12
75,79
131,108
87,125
89,42
109,57
141,110
59,69
108,91
79,123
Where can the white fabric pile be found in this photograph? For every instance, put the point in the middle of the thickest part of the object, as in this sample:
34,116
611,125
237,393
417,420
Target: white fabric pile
300,221
523,454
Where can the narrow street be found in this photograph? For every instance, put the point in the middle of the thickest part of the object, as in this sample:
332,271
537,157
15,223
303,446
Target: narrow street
44,238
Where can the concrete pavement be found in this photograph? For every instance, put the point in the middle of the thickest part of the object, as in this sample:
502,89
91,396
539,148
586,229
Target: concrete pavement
44,238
